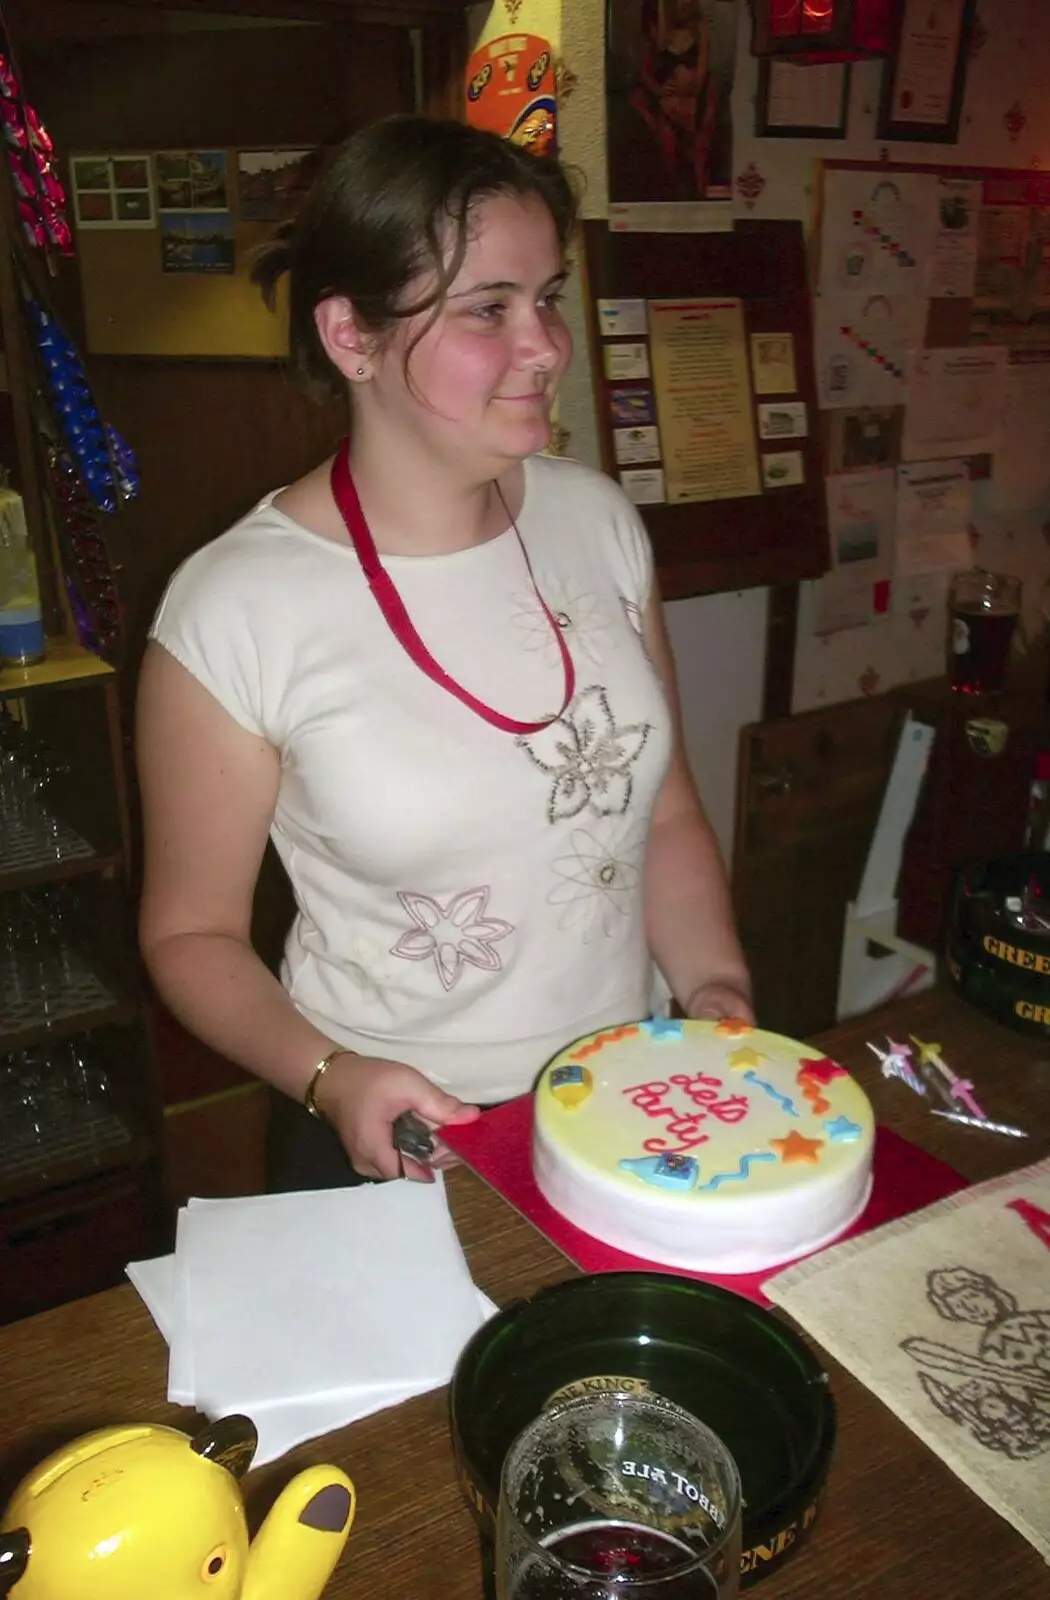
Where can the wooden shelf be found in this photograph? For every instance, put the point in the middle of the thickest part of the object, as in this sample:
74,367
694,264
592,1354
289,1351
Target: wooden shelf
58,870
74,1002
37,847
100,1144
67,663
81,1163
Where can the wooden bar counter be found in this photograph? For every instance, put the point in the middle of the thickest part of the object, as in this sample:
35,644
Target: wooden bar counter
896,1523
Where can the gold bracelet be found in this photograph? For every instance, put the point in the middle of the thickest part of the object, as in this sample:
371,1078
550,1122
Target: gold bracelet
310,1097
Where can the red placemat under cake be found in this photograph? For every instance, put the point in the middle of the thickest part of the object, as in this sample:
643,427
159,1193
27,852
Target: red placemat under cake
498,1147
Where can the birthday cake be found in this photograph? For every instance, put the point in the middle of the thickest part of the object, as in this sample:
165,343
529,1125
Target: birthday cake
713,1146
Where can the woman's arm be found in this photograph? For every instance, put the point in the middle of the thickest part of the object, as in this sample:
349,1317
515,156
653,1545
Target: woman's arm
208,793
688,913
209,788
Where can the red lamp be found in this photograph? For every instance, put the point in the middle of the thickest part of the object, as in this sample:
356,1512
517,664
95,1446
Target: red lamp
822,30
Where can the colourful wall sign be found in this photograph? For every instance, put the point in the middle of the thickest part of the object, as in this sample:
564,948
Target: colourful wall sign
510,90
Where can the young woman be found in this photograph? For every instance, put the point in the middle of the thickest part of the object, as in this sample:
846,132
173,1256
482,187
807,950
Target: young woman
434,671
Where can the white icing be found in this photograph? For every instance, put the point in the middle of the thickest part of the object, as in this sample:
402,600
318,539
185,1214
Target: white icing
778,1210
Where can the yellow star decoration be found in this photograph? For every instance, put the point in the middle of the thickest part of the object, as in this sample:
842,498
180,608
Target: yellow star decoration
796,1147
927,1052
739,1059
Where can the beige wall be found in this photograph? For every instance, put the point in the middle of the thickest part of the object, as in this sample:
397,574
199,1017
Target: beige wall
719,639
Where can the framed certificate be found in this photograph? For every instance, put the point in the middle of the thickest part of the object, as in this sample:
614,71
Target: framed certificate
924,79
796,101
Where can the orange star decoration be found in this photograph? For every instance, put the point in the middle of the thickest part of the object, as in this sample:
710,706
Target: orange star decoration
796,1147
733,1027
739,1059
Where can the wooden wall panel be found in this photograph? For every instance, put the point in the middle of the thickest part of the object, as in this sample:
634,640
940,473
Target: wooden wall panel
809,789
211,438
270,87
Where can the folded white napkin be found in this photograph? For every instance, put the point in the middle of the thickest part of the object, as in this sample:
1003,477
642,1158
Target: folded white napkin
309,1311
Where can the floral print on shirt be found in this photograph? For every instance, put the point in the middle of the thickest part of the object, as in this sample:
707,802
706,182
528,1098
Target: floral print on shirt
588,756
451,933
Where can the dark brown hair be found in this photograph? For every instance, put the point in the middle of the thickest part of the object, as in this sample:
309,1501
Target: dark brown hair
395,203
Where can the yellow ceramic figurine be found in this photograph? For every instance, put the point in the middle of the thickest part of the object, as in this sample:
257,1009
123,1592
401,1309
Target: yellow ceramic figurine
136,1511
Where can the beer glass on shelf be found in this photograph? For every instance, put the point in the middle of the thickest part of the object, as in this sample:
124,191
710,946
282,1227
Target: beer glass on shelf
984,608
618,1496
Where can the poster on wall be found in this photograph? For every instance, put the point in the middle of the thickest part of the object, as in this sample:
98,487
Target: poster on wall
197,241
1011,303
510,91
933,515
862,344
956,400
269,182
860,526
953,263
112,191
1021,468
191,180
669,78
877,232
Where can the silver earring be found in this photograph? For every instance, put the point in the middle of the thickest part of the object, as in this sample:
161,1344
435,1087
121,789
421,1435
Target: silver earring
360,372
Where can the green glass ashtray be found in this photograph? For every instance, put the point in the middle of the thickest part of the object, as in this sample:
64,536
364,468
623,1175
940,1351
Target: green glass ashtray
735,1366
997,949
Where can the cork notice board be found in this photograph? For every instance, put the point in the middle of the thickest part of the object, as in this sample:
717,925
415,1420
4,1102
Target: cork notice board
760,525
132,307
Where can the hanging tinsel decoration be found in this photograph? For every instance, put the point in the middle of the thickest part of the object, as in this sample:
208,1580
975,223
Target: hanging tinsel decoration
105,462
39,195
89,578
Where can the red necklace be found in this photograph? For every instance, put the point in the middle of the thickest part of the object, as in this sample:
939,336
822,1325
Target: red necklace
400,623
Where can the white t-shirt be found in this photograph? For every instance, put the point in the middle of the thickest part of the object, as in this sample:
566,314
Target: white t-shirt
469,901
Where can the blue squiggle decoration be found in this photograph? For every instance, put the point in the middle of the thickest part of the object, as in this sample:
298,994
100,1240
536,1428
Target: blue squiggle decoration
743,1171
784,1099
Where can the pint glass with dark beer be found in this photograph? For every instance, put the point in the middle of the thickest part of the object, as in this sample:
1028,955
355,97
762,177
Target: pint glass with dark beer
983,612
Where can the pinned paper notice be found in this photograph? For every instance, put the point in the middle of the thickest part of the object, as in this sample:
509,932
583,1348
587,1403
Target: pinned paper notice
933,513
953,265
783,419
877,232
956,400
632,406
862,344
636,444
645,488
625,361
773,363
619,317
782,470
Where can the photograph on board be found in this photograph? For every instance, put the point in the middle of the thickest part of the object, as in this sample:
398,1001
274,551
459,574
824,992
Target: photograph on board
269,182
197,241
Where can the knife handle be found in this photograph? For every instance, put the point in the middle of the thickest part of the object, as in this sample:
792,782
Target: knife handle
412,1137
